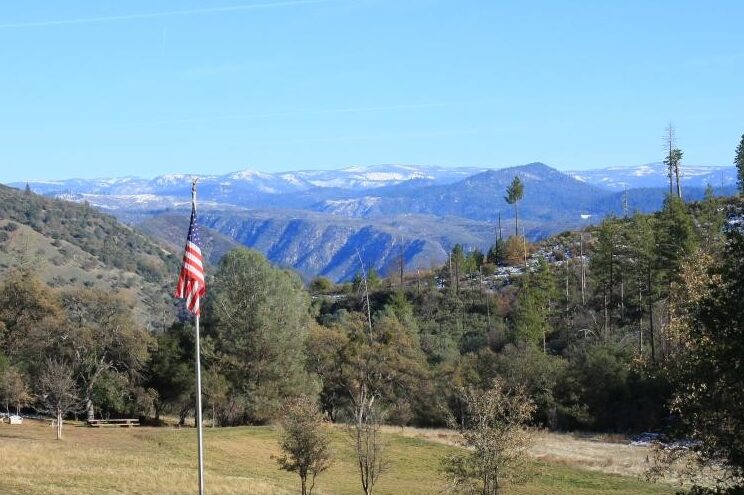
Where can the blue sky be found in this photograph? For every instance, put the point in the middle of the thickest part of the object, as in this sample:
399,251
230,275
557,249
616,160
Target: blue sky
111,88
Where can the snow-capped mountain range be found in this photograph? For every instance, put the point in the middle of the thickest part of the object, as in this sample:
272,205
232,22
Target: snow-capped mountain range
350,178
352,191
655,175
316,221
359,178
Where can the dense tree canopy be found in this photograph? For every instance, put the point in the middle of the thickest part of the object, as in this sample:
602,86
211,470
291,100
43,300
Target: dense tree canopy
707,370
257,320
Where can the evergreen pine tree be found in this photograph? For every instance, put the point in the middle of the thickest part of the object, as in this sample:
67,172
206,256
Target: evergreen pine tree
514,193
497,253
529,321
675,237
458,262
537,295
739,162
258,320
604,268
711,220
642,271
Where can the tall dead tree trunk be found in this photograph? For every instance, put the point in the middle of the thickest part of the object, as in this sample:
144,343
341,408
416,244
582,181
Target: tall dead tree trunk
669,143
583,270
366,294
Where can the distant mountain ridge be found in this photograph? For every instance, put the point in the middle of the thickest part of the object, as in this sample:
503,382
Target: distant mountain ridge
350,178
251,188
317,221
655,175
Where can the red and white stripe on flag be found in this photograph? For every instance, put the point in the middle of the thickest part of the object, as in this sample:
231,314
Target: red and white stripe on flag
191,285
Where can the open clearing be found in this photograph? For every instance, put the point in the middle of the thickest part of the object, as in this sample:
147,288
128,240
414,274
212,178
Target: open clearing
584,451
162,461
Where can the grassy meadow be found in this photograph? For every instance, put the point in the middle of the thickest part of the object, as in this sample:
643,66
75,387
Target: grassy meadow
162,461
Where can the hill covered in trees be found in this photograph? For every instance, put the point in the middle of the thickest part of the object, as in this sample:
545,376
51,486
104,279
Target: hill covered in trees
74,245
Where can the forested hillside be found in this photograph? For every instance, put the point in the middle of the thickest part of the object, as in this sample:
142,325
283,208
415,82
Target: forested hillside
74,245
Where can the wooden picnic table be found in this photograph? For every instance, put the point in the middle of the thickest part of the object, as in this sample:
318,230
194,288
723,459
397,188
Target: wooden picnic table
126,422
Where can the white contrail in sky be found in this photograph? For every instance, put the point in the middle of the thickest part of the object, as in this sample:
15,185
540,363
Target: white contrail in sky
155,15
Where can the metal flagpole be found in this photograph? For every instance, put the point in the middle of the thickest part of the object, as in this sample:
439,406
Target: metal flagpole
199,433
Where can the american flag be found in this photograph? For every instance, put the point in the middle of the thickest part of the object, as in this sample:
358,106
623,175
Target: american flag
191,284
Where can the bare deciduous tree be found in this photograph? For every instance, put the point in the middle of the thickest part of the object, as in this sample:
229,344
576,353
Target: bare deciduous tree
366,436
365,428
58,391
14,390
304,442
494,431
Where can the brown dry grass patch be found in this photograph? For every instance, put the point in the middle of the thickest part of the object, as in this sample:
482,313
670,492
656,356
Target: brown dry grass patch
162,461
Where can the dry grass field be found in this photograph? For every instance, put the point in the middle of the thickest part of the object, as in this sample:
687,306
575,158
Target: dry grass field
588,452
162,461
